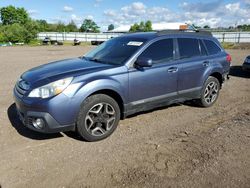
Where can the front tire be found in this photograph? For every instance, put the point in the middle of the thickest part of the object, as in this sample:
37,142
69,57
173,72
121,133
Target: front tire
210,92
98,118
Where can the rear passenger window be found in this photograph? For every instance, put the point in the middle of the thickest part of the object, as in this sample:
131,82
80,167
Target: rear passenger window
160,51
188,47
212,47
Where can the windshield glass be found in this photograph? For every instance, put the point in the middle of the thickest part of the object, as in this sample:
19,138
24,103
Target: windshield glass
115,51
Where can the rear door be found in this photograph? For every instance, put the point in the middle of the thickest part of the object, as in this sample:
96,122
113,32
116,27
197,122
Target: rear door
193,66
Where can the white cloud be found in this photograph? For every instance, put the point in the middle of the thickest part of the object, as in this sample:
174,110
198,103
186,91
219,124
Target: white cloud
76,18
234,7
213,13
32,12
135,8
110,13
67,9
90,17
201,6
247,2
137,12
97,3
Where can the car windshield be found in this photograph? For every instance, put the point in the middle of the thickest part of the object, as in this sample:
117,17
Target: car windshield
115,51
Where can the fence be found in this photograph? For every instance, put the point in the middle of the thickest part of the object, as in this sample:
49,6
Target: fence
234,37
84,37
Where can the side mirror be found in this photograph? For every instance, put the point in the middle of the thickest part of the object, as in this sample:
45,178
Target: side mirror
144,62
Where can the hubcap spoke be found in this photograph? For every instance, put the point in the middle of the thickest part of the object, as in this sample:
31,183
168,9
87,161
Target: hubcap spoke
109,123
89,121
96,131
206,92
109,109
97,108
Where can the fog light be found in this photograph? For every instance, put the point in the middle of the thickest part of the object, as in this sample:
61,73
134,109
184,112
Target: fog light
38,123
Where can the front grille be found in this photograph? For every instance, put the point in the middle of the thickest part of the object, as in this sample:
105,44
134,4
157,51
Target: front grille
29,121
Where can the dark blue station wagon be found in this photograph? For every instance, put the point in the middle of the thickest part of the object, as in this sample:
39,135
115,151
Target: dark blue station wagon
125,75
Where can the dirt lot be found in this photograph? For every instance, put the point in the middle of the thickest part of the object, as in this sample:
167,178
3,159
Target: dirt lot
178,146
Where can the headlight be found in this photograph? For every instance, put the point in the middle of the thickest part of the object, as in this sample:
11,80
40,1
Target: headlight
51,89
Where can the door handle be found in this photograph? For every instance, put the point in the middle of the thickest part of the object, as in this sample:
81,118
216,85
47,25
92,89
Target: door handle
172,69
206,63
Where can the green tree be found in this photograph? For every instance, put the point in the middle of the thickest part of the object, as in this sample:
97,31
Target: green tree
60,27
134,28
52,27
1,33
89,26
43,25
244,27
14,33
111,27
31,30
10,15
71,27
148,26
2,38
206,27
142,27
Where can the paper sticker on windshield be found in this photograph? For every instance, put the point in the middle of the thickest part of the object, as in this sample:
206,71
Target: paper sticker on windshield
134,43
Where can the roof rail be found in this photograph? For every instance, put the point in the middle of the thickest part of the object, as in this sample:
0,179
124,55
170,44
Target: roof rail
186,31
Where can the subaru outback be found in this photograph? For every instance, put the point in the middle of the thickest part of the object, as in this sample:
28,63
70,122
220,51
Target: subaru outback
125,75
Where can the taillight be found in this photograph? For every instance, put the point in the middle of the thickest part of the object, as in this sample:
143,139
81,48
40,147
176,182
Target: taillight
229,58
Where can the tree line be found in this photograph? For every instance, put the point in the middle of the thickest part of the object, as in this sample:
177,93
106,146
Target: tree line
17,26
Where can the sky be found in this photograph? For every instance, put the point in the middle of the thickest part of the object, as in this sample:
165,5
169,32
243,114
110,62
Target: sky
215,13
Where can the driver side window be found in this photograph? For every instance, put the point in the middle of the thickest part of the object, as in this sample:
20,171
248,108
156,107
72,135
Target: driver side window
160,51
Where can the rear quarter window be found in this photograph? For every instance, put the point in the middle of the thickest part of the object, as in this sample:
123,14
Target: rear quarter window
212,47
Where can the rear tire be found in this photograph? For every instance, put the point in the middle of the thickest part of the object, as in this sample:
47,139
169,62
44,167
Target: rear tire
210,92
98,118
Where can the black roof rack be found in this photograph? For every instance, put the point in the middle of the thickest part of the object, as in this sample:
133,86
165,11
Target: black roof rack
186,31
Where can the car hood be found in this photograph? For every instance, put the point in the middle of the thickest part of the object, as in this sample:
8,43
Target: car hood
61,69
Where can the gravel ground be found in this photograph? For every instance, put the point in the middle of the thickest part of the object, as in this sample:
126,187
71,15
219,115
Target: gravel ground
177,146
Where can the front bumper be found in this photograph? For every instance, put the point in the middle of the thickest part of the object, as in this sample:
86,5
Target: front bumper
27,113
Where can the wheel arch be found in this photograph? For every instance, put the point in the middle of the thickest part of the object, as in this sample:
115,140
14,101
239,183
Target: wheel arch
113,94
217,75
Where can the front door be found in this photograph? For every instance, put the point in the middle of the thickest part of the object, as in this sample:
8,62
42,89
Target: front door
157,82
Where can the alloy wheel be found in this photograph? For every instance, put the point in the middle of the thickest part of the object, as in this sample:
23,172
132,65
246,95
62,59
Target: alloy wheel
100,119
211,92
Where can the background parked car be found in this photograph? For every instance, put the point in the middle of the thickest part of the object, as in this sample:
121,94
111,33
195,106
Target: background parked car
246,64
77,42
46,41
